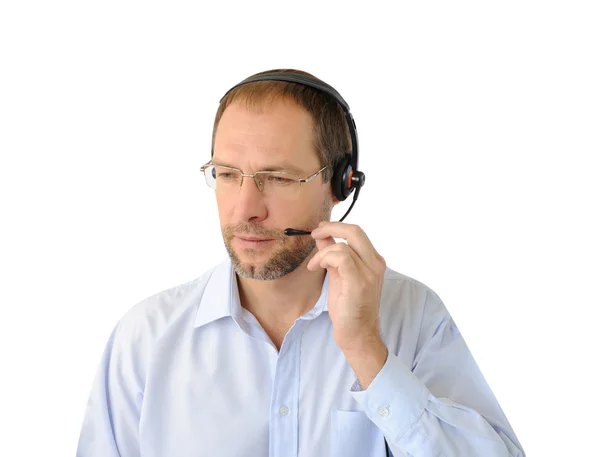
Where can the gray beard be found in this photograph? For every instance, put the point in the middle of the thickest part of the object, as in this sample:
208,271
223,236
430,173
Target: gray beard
280,264
284,261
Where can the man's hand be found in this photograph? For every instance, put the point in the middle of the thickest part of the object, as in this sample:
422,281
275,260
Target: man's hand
356,273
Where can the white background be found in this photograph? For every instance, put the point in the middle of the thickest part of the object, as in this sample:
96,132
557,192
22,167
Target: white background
479,132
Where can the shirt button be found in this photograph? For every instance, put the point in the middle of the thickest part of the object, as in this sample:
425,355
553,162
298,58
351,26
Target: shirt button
384,412
284,410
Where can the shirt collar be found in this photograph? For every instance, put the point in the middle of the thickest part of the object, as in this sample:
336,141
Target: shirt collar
221,297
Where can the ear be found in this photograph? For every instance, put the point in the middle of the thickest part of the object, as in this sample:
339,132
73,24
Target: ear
334,200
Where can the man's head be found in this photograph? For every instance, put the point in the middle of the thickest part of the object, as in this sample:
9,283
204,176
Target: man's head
275,126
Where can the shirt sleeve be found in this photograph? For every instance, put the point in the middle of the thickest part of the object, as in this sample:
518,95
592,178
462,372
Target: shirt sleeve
443,407
111,419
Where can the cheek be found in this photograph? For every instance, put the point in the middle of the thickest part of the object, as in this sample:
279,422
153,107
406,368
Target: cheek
225,208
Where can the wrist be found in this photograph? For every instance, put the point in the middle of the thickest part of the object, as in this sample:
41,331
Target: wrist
367,360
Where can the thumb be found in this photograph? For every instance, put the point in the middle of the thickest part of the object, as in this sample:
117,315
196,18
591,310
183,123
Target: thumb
324,242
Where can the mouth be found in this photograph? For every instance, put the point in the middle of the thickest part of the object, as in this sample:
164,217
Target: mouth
253,238
252,241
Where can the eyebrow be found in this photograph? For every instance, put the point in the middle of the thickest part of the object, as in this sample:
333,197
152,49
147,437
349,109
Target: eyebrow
281,167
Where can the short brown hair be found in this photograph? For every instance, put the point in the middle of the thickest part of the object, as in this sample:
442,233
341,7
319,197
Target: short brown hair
331,134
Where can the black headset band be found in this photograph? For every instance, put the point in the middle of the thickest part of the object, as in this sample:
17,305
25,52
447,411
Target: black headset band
320,86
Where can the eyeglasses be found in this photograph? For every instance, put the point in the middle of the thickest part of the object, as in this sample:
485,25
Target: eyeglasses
271,183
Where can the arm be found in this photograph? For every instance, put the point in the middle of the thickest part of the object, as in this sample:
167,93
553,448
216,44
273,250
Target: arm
110,424
443,406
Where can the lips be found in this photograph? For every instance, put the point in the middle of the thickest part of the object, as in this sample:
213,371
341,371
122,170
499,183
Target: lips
252,238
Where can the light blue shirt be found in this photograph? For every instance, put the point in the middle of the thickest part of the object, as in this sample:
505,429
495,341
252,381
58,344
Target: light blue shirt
190,372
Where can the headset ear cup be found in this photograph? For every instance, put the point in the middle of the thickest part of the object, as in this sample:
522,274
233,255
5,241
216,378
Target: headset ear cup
340,179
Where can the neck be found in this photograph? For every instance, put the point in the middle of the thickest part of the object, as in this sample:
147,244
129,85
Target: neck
279,302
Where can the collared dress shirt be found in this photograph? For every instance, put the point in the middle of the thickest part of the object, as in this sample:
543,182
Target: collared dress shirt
189,372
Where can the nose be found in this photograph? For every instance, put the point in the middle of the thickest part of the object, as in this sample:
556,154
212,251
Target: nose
250,205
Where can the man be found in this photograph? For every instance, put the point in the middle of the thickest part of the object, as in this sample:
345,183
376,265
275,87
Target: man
294,345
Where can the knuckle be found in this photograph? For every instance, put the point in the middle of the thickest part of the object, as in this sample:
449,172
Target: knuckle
347,259
340,247
356,229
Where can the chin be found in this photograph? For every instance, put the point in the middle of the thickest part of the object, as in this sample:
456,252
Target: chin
269,266
262,271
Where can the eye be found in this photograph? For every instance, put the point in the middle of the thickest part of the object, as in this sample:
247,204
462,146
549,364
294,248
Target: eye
281,179
226,175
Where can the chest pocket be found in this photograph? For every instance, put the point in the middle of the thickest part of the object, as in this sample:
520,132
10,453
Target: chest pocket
353,434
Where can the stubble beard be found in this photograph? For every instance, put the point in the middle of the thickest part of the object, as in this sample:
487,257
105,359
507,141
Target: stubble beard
283,261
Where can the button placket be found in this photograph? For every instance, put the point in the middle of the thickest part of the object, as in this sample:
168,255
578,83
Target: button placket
284,397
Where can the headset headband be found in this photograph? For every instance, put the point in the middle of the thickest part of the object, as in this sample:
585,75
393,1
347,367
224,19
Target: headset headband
315,84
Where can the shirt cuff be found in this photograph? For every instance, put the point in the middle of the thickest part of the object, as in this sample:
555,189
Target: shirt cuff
394,400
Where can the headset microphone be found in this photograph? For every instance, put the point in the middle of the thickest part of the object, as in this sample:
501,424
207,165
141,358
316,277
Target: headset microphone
346,178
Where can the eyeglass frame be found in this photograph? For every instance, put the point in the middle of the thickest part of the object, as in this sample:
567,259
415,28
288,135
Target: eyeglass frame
253,175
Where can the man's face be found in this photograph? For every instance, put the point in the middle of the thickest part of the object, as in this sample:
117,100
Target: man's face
278,136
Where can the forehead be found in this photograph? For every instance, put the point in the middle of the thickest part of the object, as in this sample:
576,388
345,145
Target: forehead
277,133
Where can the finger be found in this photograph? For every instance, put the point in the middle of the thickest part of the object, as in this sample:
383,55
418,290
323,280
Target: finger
355,236
323,243
336,247
342,262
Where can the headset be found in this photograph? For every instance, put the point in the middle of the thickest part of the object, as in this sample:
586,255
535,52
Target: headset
346,177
